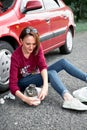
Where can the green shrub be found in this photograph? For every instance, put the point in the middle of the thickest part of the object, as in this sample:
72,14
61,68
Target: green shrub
81,26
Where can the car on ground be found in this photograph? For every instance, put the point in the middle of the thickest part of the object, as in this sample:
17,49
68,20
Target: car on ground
52,18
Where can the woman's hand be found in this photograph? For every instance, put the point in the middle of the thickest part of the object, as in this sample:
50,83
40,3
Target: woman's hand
43,93
33,101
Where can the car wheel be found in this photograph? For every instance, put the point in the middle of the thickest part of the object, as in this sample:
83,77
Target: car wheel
67,47
5,55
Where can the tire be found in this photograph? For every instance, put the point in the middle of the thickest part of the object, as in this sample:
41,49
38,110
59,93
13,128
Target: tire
5,55
68,46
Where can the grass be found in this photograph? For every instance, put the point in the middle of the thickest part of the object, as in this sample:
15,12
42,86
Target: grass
81,26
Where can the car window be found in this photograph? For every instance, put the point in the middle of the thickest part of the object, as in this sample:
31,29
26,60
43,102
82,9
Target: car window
51,4
6,4
61,3
23,4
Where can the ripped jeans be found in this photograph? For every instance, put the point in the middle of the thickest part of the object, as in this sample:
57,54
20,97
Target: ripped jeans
53,77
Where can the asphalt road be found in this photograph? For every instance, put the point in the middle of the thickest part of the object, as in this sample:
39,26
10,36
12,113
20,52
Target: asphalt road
49,115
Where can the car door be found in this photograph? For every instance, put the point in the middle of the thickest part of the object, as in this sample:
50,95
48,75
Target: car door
38,19
58,21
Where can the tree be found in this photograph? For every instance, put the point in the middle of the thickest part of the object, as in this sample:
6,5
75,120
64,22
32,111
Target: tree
79,8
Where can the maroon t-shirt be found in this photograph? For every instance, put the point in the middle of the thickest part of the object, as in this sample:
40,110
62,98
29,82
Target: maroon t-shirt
21,66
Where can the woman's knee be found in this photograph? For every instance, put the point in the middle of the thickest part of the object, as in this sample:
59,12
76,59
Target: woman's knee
63,60
51,75
51,72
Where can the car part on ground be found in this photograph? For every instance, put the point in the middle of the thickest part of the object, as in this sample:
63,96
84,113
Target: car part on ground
5,55
67,47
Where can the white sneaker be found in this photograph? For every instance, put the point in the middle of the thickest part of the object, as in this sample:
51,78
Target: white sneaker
74,104
81,94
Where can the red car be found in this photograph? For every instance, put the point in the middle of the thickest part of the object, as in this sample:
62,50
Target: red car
52,18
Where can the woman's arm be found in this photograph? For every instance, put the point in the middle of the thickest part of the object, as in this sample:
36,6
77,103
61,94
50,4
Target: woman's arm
44,90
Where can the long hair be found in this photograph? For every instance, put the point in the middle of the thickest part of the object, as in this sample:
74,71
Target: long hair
32,32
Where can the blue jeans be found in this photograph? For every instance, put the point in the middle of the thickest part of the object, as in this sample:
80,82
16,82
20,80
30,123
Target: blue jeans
53,77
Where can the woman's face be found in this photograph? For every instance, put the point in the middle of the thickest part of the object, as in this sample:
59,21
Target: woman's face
29,44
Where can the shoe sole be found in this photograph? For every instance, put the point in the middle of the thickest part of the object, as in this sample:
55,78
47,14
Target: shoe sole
77,109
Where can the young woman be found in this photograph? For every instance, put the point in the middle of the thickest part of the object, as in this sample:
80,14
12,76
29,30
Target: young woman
28,66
